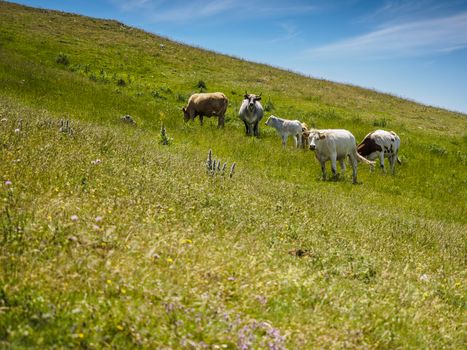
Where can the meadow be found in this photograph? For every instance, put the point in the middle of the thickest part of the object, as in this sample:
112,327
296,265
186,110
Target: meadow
110,239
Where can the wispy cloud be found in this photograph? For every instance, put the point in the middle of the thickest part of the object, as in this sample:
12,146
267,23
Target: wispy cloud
396,10
132,5
415,38
191,11
183,11
288,31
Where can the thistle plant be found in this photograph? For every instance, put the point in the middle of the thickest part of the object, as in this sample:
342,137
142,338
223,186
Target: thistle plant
163,138
65,126
232,170
214,166
209,162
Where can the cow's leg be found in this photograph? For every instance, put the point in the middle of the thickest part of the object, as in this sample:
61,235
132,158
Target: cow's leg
256,129
323,169
381,161
354,161
334,166
299,141
342,164
220,122
284,140
295,138
246,127
392,163
201,119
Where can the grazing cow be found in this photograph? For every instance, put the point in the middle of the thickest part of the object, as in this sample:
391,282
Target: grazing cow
206,104
251,112
285,128
333,145
380,144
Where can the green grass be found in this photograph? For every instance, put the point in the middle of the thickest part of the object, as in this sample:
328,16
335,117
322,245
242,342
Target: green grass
111,240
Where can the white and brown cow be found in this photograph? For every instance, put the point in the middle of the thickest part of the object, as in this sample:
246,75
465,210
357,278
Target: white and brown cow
333,145
206,104
381,144
286,128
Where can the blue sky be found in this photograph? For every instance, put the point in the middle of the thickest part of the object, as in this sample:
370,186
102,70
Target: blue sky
412,49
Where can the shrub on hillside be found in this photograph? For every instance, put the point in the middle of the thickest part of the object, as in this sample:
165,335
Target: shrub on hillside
163,138
380,122
269,106
201,86
165,89
157,94
182,97
438,150
62,59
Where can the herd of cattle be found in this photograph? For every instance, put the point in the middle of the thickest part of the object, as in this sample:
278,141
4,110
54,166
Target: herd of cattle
329,144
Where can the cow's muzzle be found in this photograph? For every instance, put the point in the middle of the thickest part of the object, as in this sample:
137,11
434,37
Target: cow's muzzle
312,147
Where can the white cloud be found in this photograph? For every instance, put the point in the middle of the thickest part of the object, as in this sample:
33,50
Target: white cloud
289,31
184,11
415,38
192,10
131,5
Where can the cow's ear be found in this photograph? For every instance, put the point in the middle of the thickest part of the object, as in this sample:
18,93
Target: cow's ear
246,96
258,98
321,136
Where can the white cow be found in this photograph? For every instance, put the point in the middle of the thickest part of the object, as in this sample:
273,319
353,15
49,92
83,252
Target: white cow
380,144
287,128
333,145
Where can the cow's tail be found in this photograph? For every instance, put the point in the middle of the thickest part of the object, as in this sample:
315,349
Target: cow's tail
364,160
399,161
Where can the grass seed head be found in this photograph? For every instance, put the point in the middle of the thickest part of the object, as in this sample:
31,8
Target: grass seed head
232,170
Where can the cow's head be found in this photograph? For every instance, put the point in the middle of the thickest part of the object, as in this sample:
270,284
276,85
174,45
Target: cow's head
270,121
314,138
186,115
252,98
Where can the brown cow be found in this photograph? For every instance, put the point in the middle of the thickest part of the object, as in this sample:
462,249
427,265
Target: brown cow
206,104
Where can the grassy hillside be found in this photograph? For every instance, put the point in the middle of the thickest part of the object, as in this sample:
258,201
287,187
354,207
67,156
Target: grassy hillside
111,240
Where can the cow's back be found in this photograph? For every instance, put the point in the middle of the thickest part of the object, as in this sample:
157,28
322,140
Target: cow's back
340,141
387,140
208,103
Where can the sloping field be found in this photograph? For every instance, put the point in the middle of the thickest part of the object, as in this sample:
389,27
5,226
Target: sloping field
111,240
